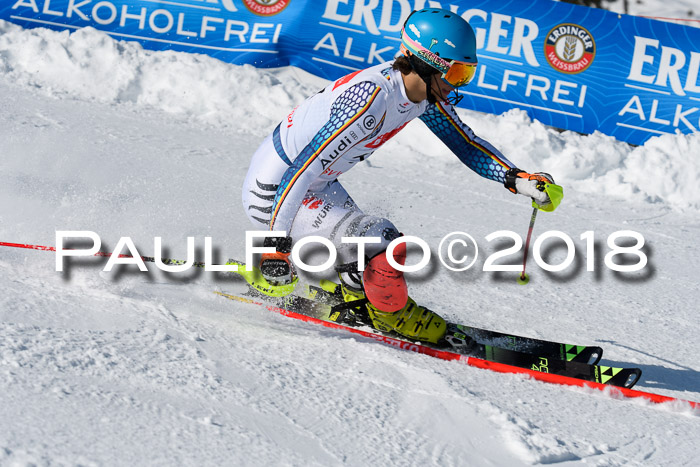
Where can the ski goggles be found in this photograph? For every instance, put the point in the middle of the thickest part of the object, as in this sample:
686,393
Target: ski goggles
459,74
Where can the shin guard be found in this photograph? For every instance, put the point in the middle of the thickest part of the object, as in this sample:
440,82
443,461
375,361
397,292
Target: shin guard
385,286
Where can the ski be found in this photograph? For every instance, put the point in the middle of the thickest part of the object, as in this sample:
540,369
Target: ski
622,377
568,352
325,293
562,351
317,304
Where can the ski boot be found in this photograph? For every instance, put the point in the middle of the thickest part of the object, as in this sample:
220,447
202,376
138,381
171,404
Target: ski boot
349,292
410,321
276,268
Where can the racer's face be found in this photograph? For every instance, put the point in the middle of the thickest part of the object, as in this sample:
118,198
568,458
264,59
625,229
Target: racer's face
442,89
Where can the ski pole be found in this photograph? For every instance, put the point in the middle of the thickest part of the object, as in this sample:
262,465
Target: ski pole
523,278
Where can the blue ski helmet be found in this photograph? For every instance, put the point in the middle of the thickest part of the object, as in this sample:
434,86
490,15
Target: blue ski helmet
443,40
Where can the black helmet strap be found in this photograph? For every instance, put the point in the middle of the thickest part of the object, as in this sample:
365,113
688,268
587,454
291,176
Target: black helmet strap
427,74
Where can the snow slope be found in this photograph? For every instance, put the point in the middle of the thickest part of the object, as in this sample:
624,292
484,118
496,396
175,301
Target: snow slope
152,368
678,11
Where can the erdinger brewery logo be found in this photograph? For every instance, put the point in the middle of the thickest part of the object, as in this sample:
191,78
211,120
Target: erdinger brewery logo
569,48
266,7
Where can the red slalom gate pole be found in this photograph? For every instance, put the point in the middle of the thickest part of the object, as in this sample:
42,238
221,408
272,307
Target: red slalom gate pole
30,247
104,254
51,248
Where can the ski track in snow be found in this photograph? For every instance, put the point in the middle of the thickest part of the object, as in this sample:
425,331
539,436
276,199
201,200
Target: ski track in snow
150,368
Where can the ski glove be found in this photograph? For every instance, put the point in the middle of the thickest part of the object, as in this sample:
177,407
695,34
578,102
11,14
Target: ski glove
532,185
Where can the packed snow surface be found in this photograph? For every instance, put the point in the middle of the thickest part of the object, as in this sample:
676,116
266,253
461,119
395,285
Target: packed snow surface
678,11
134,368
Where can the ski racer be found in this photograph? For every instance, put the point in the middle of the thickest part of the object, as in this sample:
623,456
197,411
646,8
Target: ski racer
292,183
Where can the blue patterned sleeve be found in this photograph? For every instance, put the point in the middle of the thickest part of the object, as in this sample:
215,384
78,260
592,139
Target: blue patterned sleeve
474,152
331,141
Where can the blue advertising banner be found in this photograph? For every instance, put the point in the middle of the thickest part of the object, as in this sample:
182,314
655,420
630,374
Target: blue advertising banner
571,67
